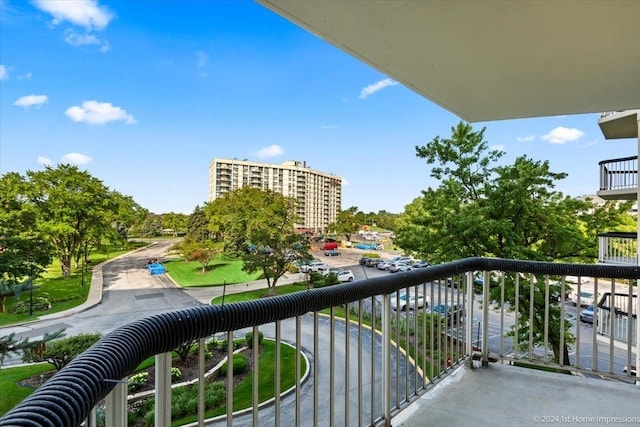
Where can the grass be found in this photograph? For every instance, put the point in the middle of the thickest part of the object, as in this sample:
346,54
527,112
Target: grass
259,293
219,271
62,293
12,393
242,394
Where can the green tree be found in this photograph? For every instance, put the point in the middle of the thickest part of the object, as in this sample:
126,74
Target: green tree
202,251
509,211
259,226
61,352
72,208
347,222
198,225
24,249
11,344
176,222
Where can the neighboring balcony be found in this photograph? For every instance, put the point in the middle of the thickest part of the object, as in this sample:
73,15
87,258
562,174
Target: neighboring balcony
466,362
619,179
618,248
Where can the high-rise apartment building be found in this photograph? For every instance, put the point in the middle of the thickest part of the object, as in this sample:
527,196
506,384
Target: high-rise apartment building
319,193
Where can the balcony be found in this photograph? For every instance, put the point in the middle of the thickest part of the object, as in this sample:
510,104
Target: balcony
620,124
619,179
618,248
452,367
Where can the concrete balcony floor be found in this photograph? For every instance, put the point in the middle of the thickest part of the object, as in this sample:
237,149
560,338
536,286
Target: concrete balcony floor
502,395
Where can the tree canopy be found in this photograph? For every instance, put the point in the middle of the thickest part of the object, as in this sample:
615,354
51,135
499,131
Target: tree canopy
511,211
258,226
61,208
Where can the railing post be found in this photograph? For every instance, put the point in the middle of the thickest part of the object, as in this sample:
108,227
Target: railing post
91,418
162,416
201,361
386,359
469,320
115,411
485,318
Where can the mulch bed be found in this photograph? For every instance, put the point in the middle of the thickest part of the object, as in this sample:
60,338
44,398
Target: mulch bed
189,371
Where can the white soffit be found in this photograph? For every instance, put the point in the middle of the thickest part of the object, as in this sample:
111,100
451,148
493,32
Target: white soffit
490,60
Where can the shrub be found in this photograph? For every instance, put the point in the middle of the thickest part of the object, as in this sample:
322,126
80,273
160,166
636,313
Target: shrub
176,374
212,344
240,365
249,338
39,304
137,381
63,351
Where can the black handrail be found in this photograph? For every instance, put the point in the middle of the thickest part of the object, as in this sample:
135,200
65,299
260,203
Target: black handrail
68,397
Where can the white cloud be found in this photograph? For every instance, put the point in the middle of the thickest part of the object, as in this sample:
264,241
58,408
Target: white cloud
329,127
270,151
31,100
25,76
498,147
4,74
345,181
561,135
84,13
528,138
44,161
99,113
75,39
375,87
76,159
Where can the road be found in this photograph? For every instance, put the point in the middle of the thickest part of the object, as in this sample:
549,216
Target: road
131,293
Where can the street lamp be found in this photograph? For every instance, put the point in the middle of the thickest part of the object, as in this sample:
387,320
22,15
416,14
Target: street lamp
84,258
31,288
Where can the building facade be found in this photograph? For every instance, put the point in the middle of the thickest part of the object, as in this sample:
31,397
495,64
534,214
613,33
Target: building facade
319,193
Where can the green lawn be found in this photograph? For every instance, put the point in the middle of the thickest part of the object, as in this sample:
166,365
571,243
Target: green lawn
62,293
12,393
219,271
259,293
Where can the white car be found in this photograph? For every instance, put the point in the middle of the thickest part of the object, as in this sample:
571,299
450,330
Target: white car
586,299
309,267
327,271
321,268
410,303
345,276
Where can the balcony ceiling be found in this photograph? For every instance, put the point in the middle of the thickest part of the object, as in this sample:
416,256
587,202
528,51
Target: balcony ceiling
490,60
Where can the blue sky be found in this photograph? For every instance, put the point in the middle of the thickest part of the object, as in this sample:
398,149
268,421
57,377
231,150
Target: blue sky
144,94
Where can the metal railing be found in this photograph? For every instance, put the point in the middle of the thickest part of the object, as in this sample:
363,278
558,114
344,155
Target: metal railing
618,248
619,174
363,370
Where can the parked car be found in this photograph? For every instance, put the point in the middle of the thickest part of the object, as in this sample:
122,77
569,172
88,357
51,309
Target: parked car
633,369
345,276
586,315
420,264
305,268
330,245
453,312
586,299
364,260
555,292
329,270
318,267
332,252
407,302
373,262
384,265
399,267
